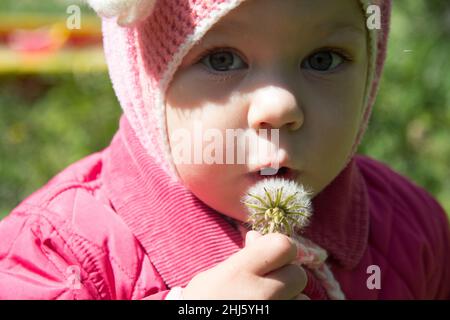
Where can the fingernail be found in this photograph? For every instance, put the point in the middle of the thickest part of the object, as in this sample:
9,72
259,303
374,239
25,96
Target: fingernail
302,296
251,236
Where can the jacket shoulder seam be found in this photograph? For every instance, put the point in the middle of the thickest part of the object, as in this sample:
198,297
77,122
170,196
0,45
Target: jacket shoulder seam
80,260
42,217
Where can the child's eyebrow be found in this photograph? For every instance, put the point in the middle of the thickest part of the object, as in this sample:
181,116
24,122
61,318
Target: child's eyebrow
332,29
229,26
232,26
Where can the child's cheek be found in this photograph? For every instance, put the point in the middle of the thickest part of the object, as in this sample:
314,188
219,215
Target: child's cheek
218,186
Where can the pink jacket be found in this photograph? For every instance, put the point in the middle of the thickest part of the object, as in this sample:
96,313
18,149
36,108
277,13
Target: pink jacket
111,226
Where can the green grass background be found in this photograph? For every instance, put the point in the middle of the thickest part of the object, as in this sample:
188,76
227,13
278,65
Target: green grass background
49,121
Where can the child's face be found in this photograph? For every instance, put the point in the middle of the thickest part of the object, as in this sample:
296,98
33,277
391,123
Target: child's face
299,66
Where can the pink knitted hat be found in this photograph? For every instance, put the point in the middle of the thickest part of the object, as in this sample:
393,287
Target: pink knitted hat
146,40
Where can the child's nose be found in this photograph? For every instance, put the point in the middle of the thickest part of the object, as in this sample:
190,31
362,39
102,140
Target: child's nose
274,107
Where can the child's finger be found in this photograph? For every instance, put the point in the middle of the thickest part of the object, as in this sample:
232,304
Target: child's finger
288,281
267,253
302,296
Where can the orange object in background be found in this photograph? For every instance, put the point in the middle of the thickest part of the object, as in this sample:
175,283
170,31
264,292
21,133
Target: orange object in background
42,40
44,44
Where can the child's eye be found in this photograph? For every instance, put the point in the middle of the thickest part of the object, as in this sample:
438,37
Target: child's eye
223,60
323,61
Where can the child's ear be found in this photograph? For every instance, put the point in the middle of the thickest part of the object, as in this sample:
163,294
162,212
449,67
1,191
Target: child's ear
127,12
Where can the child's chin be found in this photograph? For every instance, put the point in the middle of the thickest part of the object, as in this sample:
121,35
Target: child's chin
238,215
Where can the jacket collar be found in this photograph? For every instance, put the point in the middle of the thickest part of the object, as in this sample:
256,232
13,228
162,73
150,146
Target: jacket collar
182,236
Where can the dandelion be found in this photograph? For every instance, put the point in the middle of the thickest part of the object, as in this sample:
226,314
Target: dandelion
278,205
281,205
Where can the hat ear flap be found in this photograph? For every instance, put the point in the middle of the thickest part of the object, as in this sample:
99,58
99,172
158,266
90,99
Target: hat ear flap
127,12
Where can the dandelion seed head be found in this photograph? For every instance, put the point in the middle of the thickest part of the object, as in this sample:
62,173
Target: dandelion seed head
278,205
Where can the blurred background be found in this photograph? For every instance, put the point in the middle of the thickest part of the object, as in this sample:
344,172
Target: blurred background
57,104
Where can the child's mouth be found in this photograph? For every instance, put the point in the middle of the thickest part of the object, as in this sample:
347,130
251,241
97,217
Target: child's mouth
282,172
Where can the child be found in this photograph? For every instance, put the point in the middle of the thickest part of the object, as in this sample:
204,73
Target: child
131,222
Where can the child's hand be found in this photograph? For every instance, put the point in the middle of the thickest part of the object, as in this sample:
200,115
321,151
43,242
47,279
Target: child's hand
260,271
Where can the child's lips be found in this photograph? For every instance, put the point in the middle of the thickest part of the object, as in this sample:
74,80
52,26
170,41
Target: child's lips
282,172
